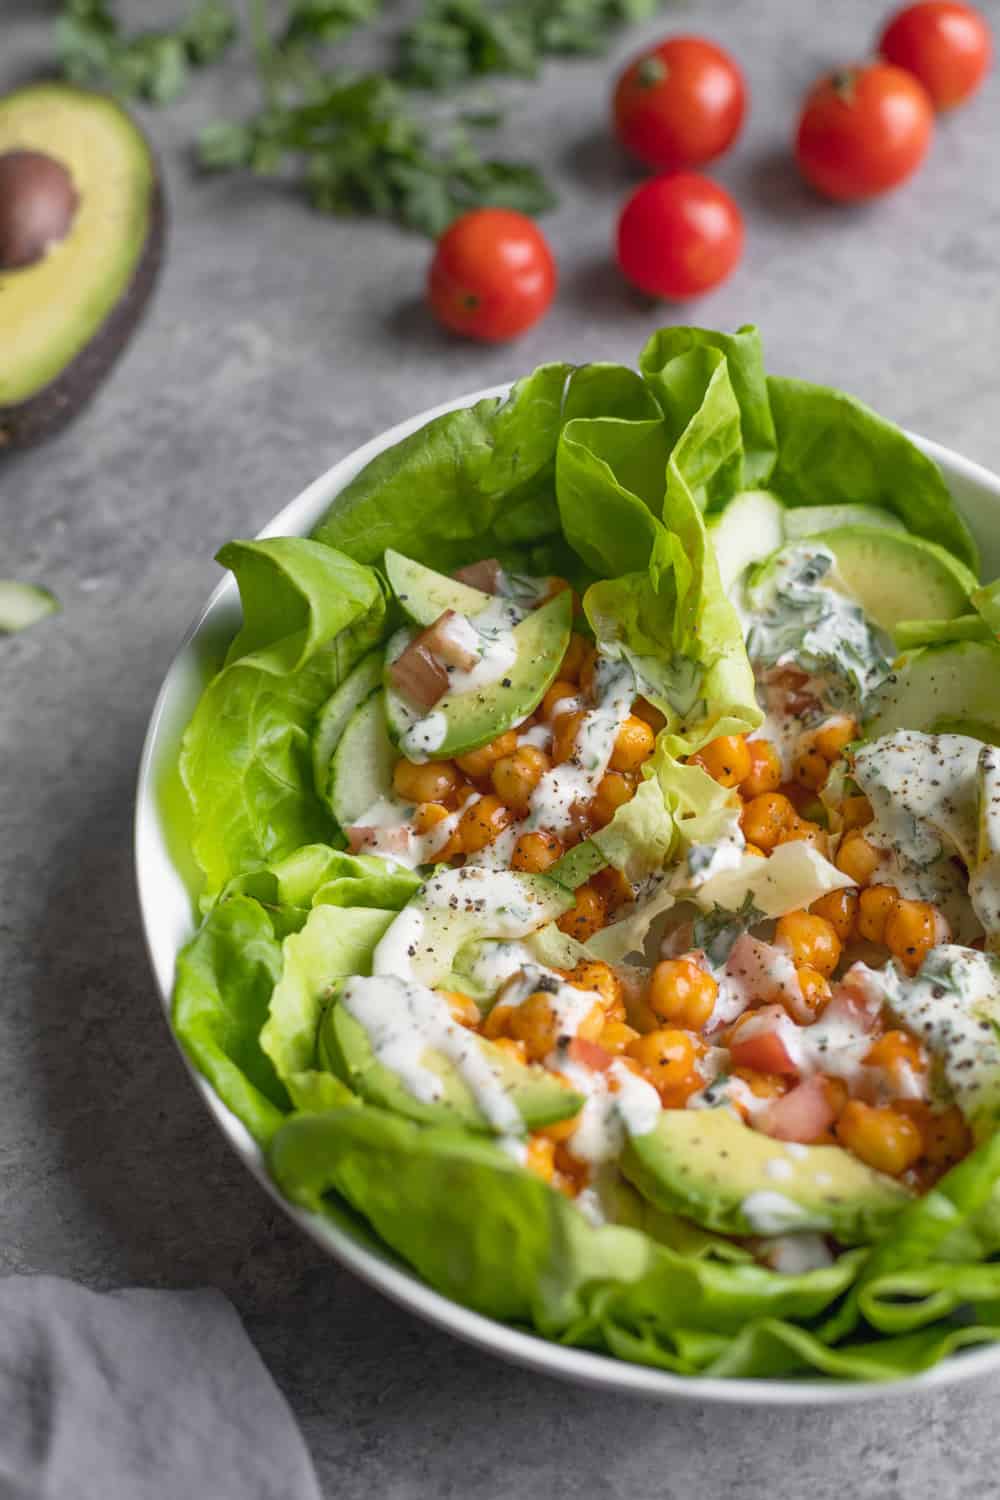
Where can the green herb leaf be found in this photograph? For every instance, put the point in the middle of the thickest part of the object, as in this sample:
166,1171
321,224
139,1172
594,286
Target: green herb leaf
153,65
717,931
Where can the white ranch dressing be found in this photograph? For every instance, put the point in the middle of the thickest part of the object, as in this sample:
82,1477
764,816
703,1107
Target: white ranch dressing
617,1103
394,837
576,780
770,1212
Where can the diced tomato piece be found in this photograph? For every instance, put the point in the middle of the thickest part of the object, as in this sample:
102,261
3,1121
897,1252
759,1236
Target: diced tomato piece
484,575
756,1042
800,1115
589,1054
385,840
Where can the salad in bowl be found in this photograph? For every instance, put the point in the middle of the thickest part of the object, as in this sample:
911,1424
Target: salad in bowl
598,819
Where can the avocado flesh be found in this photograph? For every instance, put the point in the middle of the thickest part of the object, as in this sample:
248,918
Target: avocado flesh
64,320
425,594
710,1167
346,1050
937,689
475,718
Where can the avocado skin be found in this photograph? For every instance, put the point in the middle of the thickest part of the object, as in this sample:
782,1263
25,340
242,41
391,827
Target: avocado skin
42,416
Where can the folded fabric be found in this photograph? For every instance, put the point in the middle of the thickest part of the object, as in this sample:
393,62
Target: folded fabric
138,1395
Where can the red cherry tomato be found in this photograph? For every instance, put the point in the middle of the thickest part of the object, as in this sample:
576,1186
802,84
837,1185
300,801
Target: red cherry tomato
946,45
863,131
680,104
678,235
492,276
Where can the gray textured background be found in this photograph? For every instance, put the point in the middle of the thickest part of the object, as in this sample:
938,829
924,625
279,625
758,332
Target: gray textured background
277,343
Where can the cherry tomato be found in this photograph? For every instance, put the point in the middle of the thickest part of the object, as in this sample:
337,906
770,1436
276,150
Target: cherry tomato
680,104
679,234
863,131
492,276
946,45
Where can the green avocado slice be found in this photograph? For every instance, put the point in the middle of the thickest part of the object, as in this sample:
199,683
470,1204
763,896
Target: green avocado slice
346,1050
67,314
950,688
425,594
709,1166
471,719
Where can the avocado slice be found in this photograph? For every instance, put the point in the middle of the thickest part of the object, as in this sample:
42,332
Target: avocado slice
751,527
939,689
807,520
361,768
337,712
891,574
467,720
346,1050
81,238
425,595
709,1166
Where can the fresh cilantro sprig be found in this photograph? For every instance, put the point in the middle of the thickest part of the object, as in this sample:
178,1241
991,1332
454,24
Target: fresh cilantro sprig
717,931
154,65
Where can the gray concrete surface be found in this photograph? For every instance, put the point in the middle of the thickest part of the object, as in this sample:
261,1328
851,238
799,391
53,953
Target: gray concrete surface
278,342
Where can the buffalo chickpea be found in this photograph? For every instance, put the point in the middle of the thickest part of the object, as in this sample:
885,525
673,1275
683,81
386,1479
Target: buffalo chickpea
912,928
587,915
509,1047
810,940
726,759
481,824
633,745
478,763
763,1085
613,887
535,852
463,1008
669,1058
682,993
613,790
602,979
765,769
809,767
537,1024
616,1036
884,1138
857,858
855,812
801,829
567,727
815,989
540,1156
874,907
437,781
561,1130
766,818
753,851
428,815
515,777
649,714
947,1137
840,909
561,698
831,736
576,655
898,1055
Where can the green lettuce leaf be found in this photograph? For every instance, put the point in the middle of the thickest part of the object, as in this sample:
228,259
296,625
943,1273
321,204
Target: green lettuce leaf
834,450
245,759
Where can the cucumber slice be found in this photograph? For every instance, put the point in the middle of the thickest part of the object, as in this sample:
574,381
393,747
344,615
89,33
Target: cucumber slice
909,634
751,527
338,710
807,520
941,689
23,604
361,769
425,595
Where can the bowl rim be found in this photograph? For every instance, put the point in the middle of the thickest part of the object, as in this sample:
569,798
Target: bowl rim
153,864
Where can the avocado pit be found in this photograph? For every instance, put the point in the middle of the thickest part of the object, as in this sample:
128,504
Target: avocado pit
38,203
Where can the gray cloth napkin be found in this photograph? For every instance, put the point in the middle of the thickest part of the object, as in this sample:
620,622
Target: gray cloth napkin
138,1395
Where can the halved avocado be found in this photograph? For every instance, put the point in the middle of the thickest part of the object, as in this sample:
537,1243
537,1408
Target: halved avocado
81,238
346,1050
709,1166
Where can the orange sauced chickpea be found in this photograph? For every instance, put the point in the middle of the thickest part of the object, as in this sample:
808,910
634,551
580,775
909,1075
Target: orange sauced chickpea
613,791
857,858
481,824
617,1036
855,812
669,1059
753,851
567,727
437,781
832,736
763,1085
875,904
809,767
613,887
947,1137
576,655
912,929
507,1044
561,698
727,759
682,993
540,1156
536,851
766,818
587,915
428,815
516,776
478,763
602,979
897,1054
884,1138
537,1024
805,830
463,1008
650,714
561,1130
765,769
633,745
810,940
815,989
840,909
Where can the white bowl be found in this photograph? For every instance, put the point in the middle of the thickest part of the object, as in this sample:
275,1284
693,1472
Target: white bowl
169,922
